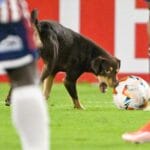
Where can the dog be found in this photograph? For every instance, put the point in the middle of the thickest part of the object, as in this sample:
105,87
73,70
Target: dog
70,52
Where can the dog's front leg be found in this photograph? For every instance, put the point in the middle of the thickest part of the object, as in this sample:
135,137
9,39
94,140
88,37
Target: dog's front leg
71,88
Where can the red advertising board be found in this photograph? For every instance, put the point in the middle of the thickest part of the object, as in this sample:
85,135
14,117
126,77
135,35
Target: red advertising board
117,25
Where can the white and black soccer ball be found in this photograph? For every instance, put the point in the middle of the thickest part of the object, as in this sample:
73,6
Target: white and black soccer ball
131,93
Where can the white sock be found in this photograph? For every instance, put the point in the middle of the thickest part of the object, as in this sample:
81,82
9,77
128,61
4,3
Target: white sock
30,117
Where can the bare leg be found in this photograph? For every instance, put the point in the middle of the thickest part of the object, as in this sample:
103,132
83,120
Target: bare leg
29,113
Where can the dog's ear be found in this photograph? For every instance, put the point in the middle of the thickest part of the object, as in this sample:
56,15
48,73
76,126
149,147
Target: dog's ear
118,63
34,16
98,64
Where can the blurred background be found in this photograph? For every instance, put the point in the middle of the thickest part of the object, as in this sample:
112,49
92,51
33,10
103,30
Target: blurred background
119,26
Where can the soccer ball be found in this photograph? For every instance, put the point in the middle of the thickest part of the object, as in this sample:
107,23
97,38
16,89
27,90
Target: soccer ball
131,93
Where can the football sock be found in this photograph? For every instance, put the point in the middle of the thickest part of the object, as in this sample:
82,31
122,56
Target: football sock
29,115
146,127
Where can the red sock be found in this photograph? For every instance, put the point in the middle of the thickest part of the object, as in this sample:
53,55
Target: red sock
146,127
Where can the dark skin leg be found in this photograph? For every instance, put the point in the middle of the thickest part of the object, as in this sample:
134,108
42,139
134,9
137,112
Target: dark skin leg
22,76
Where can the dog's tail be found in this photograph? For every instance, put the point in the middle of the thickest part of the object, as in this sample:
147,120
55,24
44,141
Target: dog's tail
49,41
34,16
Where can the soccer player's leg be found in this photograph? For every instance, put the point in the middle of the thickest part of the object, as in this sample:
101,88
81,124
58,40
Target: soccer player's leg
140,136
29,112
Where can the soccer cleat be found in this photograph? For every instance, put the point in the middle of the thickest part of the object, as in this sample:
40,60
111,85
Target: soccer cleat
137,137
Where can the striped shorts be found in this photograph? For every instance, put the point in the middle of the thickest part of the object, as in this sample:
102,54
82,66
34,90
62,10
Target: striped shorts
17,47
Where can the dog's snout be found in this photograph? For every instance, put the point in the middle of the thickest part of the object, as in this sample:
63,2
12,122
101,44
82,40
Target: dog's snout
113,83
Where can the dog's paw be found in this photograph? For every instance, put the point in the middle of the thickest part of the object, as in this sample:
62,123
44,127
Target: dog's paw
103,87
78,105
81,107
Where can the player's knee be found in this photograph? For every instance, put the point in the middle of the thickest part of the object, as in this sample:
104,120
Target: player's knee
26,75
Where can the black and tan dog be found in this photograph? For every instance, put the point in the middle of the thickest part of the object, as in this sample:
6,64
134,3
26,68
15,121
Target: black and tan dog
67,51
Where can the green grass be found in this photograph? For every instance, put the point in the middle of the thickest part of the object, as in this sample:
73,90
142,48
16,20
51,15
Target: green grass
99,127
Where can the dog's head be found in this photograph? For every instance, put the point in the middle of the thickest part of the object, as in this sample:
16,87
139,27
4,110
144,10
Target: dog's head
106,70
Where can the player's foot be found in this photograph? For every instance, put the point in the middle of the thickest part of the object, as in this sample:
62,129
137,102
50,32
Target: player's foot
137,137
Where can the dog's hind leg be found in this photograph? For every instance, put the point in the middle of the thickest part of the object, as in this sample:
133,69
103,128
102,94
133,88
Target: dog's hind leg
47,81
45,73
47,85
70,84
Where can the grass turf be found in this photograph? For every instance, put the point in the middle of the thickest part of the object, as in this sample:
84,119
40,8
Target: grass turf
99,127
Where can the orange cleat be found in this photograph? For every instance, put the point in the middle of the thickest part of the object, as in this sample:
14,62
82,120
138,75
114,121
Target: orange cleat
137,137
140,136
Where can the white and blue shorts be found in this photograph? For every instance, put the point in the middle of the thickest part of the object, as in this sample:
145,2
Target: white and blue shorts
17,46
